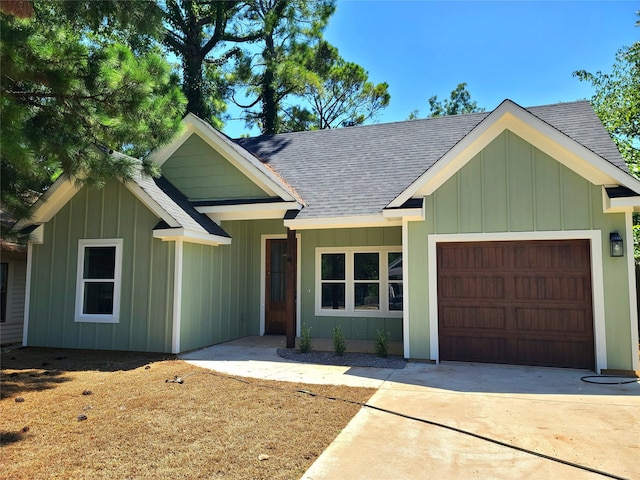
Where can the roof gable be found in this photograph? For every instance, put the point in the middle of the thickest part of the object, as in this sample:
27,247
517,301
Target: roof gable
589,163
178,217
264,179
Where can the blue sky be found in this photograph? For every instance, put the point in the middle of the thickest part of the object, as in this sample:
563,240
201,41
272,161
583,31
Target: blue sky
524,51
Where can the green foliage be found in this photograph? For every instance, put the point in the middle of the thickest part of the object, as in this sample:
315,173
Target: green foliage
67,102
458,103
339,343
382,344
337,92
617,102
275,69
636,242
305,339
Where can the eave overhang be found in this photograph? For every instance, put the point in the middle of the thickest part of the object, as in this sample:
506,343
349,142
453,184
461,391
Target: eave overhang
355,221
617,199
261,210
180,233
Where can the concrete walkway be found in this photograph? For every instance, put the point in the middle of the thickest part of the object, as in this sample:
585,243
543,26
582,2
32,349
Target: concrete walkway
544,410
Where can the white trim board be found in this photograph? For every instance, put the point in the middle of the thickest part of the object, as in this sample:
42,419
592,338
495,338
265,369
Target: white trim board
597,279
177,296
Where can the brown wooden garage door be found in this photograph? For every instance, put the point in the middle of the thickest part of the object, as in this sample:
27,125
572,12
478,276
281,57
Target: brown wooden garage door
525,302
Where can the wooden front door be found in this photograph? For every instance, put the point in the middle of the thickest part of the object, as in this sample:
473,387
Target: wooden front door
526,302
275,287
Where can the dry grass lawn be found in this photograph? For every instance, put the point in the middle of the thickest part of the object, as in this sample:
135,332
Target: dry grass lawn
138,426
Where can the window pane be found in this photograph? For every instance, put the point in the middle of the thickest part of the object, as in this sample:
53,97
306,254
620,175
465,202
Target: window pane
395,296
366,266
98,298
99,262
333,266
278,265
395,266
367,296
333,296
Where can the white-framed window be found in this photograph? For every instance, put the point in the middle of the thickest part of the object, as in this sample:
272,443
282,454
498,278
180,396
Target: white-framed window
99,275
359,281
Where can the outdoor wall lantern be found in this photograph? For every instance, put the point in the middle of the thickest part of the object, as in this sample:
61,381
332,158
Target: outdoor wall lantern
615,240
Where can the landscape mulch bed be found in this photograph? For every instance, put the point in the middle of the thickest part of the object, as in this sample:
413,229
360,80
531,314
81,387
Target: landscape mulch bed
348,359
86,414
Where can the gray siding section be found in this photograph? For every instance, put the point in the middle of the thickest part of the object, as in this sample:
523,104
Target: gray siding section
11,329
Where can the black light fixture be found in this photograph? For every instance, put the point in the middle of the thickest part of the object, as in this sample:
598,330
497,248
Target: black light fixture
617,249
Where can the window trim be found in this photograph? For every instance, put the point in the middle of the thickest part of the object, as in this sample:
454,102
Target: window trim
114,317
383,282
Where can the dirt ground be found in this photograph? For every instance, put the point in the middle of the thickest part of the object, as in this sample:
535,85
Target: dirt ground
86,414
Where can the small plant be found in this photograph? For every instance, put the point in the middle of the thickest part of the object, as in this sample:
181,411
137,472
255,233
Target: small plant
305,339
339,344
382,344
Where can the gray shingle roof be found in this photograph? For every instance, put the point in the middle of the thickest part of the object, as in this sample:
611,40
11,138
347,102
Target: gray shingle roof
172,201
359,170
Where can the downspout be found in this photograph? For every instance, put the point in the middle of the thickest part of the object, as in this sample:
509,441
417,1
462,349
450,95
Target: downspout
177,296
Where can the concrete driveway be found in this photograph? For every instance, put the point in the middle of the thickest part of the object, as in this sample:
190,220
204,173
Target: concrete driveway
544,411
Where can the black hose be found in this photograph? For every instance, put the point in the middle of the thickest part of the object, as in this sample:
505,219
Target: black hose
628,379
428,422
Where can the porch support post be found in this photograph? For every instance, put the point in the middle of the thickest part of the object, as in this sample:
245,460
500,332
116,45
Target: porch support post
292,281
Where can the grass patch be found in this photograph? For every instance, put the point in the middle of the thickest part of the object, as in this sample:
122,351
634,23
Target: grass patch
139,426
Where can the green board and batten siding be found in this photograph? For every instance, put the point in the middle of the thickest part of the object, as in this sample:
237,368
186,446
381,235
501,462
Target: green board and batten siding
511,186
221,285
147,275
364,328
201,173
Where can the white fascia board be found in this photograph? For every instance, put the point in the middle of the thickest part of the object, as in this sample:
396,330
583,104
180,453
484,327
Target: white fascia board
150,203
509,116
52,201
174,234
409,214
234,154
255,211
343,222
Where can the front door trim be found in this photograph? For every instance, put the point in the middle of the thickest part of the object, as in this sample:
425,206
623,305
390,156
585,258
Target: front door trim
597,279
263,274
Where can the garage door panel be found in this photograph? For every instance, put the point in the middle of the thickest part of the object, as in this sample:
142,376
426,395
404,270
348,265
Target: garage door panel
474,258
488,349
473,287
478,318
538,288
554,256
516,302
547,353
548,321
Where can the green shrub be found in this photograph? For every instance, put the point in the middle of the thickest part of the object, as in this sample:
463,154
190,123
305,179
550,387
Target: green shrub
339,344
382,344
305,339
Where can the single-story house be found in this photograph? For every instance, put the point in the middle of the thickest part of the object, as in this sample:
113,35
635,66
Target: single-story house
502,236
